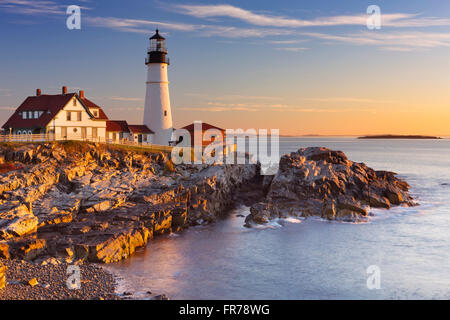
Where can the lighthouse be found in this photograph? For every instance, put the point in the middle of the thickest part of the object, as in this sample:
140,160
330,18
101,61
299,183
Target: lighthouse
157,112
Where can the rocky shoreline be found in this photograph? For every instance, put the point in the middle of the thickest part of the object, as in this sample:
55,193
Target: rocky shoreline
80,203
323,182
75,203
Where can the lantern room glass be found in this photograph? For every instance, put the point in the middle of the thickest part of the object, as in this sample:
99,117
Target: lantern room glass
158,45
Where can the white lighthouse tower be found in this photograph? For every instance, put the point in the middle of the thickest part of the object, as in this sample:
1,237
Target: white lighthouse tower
157,112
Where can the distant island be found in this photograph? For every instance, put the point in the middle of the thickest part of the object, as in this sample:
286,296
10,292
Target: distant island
394,136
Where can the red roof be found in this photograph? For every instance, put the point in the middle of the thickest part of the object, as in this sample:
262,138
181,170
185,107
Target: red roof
117,126
50,104
101,114
139,128
205,126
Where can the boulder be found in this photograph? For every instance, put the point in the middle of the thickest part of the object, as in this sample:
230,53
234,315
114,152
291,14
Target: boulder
16,222
324,182
4,250
119,247
2,276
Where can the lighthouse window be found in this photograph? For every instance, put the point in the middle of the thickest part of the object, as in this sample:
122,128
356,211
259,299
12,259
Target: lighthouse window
165,113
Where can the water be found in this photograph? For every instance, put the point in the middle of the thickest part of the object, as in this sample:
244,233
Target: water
316,259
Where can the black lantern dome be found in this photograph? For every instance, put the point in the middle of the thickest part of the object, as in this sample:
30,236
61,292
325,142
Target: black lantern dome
157,51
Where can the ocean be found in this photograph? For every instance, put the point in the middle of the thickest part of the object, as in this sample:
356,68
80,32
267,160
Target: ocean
313,258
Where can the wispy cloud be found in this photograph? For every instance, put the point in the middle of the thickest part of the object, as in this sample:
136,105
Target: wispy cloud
126,99
249,107
403,41
136,25
229,11
293,49
32,7
349,100
264,26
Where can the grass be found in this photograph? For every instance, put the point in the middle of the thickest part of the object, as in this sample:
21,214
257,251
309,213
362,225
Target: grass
82,146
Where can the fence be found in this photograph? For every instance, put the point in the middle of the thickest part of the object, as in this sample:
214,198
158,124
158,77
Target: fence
50,137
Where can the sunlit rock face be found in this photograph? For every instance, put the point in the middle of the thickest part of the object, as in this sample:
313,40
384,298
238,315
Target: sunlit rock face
323,182
89,202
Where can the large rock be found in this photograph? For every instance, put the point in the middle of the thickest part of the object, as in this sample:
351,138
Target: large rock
2,276
323,182
90,202
119,247
16,222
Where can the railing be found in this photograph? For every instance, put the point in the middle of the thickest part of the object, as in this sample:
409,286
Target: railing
156,49
43,137
50,137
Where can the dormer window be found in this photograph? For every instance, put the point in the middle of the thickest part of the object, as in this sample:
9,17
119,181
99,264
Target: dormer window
95,113
74,102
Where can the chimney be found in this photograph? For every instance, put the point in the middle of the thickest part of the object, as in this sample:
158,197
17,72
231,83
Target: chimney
38,92
64,90
81,94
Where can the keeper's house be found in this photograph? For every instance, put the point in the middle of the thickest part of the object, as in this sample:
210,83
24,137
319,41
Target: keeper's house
69,116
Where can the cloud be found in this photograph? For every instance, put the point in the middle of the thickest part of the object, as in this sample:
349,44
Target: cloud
349,99
293,49
35,7
247,107
126,99
399,41
229,11
265,25
135,25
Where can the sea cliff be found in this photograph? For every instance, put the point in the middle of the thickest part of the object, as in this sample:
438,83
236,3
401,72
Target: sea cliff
83,202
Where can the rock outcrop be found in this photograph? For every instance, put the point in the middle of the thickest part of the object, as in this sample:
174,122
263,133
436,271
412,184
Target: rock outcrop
322,182
2,276
90,202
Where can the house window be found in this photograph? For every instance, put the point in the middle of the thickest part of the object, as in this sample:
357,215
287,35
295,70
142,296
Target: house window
114,136
24,115
68,116
94,132
30,114
78,115
36,114
95,112
74,102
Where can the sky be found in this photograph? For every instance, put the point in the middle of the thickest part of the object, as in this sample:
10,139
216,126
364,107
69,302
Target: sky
304,67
